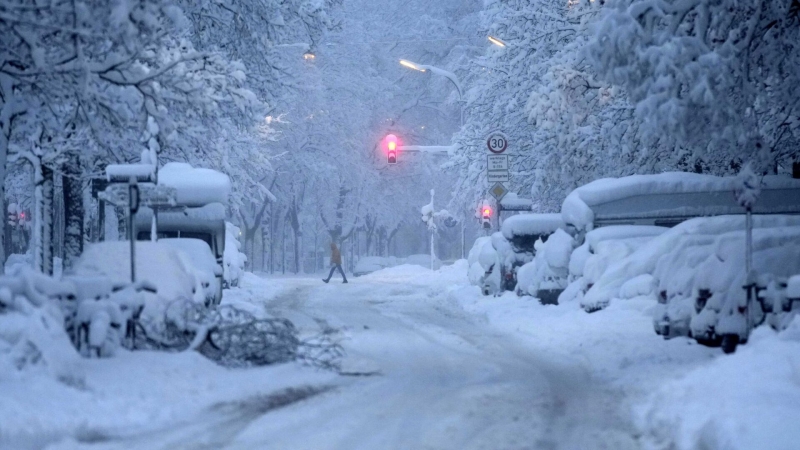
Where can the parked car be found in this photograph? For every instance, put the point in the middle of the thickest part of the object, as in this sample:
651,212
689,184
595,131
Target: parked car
206,223
515,246
160,264
207,272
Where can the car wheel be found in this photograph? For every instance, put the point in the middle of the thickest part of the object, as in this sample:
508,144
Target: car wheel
729,343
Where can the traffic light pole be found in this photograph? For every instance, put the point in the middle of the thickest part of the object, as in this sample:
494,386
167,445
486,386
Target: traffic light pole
441,149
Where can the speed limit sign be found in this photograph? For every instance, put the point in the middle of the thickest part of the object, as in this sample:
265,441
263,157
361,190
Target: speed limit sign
497,142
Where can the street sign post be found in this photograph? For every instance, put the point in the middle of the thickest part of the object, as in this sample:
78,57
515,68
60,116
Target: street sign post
499,176
497,142
497,162
498,191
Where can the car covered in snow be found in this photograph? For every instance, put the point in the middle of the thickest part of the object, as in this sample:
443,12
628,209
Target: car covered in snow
502,254
206,223
197,255
524,234
545,276
161,265
694,272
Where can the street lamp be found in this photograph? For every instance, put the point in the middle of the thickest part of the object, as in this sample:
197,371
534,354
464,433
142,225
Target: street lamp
445,73
496,41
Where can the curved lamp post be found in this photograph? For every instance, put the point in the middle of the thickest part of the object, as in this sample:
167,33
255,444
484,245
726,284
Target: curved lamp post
445,73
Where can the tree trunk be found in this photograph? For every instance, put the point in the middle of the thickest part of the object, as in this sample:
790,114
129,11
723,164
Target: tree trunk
46,222
283,247
296,251
273,238
73,211
263,247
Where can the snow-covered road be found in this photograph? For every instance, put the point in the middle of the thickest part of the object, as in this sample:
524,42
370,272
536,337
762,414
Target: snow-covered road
430,364
420,373
445,379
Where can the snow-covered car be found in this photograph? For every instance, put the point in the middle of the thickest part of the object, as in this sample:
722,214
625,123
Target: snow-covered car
522,231
369,264
512,248
208,274
545,277
602,247
160,264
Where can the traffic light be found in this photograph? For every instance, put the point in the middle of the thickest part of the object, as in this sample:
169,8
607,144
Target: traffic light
391,148
486,214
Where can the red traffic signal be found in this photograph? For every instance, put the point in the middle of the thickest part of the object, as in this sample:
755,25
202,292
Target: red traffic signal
486,219
390,146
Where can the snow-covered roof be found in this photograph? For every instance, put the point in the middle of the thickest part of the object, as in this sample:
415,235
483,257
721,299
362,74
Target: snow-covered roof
513,201
531,224
672,195
195,186
122,172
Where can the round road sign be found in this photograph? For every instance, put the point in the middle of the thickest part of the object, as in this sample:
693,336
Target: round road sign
497,142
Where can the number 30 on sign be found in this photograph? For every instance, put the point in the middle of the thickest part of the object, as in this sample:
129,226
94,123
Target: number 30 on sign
497,142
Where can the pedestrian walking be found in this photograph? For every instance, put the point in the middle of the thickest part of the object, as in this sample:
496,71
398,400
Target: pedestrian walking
336,263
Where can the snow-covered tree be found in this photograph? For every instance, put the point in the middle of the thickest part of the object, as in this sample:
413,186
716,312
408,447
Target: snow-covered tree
719,78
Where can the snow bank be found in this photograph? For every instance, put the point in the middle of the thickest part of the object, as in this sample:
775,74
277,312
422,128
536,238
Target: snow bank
195,186
32,329
531,224
748,400
422,260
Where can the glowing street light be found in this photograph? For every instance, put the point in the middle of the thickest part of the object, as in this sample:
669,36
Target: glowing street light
496,41
445,73
411,65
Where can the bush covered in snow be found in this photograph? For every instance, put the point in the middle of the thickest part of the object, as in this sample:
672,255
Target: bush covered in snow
32,327
233,259
476,267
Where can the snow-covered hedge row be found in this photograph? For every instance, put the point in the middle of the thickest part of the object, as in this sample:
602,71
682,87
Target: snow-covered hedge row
32,328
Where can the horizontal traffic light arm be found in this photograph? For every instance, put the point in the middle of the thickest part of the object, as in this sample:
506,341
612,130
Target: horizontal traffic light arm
427,148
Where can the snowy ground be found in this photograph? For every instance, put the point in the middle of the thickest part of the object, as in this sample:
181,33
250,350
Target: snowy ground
431,364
